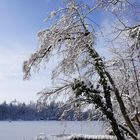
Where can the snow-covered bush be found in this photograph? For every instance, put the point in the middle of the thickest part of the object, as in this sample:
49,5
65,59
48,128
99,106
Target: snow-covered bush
91,137
41,136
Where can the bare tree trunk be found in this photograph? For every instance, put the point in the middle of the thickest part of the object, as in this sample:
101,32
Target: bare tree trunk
109,114
103,74
135,74
128,131
114,126
121,104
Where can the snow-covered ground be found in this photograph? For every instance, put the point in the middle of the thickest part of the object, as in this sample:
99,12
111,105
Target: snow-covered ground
75,137
94,137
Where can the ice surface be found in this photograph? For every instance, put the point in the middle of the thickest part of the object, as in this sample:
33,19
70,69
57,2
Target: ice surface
28,130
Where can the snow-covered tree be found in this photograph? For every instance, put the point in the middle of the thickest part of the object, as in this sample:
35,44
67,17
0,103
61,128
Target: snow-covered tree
72,36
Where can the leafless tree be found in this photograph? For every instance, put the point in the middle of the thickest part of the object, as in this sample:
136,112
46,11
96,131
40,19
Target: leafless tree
73,38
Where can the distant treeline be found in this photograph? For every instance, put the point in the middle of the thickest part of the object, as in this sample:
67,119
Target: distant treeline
53,111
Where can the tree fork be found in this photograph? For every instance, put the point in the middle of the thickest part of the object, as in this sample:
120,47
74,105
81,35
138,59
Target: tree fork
101,71
121,104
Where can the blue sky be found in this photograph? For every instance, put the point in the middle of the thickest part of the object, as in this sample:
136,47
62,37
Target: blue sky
20,20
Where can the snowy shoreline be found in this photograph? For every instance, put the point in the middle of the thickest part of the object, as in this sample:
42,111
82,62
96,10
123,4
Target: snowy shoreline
91,137
42,136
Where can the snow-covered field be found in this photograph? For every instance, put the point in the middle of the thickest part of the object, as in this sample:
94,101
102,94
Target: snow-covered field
53,130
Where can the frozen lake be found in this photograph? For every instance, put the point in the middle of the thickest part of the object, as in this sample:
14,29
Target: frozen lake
28,130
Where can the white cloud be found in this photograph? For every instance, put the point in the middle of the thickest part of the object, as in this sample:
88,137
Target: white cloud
11,84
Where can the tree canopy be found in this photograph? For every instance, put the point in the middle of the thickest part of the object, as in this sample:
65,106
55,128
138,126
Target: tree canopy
111,85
